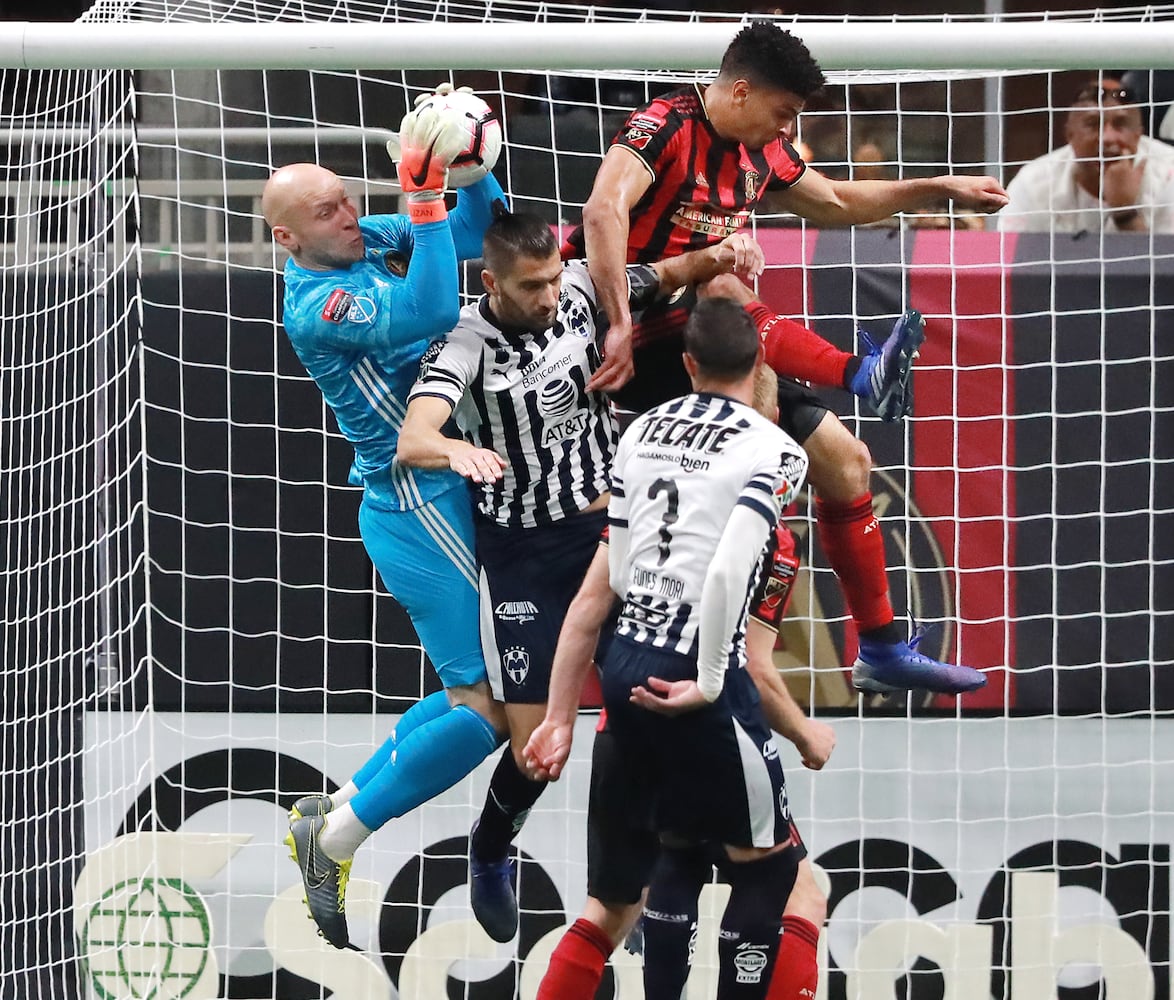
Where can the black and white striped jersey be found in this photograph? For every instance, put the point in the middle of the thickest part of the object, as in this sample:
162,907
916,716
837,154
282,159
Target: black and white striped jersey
679,472
524,395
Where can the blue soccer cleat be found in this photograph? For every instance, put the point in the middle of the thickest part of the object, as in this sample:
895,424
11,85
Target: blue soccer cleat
491,894
885,378
885,667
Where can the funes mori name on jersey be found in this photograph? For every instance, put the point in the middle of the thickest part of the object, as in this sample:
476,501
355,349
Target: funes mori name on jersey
666,586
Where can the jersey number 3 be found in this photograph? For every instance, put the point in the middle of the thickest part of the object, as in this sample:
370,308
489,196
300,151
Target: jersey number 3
669,487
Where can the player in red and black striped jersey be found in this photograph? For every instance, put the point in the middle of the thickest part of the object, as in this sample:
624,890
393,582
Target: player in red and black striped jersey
690,167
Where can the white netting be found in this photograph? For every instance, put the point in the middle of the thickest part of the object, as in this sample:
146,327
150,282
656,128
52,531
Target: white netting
193,632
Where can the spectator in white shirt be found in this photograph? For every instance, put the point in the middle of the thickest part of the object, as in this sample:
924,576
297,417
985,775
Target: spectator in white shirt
1110,177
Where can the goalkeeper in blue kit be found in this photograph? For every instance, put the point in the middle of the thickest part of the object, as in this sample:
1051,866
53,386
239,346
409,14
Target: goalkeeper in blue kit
364,298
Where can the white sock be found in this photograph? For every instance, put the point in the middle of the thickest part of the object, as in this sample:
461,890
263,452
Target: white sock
342,834
343,795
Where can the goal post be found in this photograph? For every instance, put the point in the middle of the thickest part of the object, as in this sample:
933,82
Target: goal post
637,44
194,635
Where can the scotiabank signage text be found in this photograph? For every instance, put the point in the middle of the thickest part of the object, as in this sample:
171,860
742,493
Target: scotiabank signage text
1019,859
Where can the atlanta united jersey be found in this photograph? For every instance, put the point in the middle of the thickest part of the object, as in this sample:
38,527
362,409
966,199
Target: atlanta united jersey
524,395
680,470
704,187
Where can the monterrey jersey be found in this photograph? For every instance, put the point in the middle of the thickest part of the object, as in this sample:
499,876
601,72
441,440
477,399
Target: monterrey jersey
360,332
523,395
680,470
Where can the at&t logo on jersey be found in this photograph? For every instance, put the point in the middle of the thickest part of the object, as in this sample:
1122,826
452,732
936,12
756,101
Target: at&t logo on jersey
557,398
556,401
516,663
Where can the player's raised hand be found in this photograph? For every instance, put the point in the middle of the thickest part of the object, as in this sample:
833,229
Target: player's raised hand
481,465
548,750
617,367
983,194
427,147
669,697
740,254
394,145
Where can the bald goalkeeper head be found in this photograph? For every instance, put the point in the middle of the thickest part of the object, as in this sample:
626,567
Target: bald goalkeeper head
313,217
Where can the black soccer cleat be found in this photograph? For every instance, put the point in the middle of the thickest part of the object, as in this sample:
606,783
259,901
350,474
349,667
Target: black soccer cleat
324,879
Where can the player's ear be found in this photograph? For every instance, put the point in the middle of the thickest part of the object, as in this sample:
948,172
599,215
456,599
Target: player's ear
489,281
284,237
691,366
740,92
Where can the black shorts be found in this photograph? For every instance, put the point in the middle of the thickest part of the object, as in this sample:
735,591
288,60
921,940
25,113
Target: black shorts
622,844
529,576
713,774
800,409
660,375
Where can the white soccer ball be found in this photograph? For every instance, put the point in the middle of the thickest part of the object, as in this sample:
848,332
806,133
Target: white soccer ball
479,125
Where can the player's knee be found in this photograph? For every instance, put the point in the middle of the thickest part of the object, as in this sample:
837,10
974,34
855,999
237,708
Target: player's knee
756,887
749,940
479,698
841,464
807,899
616,920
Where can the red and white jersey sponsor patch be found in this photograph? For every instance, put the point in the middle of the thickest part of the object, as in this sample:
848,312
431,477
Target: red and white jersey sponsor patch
338,305
645,122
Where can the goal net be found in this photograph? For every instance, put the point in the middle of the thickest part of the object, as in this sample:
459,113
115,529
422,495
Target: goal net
194,634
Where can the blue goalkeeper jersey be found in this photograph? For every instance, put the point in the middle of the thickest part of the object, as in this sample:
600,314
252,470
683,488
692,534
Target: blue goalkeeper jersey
360,331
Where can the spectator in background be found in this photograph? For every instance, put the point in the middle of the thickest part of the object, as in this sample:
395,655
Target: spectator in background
1109,177
1155,90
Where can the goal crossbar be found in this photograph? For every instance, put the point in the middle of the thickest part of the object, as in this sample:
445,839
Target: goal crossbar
512,46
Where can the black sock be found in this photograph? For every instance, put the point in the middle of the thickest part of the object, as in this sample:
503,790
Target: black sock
511,794
670,920
891,633
850,370
749,939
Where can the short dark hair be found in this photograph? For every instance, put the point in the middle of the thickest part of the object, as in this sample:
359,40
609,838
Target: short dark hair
720,336
516,234
768,55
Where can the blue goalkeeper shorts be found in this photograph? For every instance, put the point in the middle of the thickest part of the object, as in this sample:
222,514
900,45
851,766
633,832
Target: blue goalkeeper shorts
425,559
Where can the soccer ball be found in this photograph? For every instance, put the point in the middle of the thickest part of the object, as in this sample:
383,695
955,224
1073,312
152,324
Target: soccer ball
477,121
